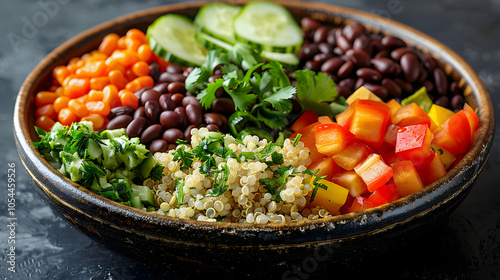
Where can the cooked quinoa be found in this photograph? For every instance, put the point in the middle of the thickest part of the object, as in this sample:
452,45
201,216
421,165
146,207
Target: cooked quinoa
237,186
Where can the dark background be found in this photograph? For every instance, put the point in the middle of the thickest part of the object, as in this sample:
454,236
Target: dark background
465,246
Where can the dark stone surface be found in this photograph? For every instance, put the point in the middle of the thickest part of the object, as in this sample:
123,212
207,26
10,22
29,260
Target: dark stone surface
465,246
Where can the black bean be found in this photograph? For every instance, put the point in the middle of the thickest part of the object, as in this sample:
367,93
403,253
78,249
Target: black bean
322,57
429,86
362,42
352,31
384,65
345,70
151,133
139,93
343,43
457,102
343,91
150,94
137,126
392,42
430,63
176,87
172,134
158,146
359,57
325,48
140,112
223,105
309,24
369,74
330,38
399,52
347,83
309,50
443,101
213,127
171,119
440,81
161,87
320,34
173,68
177,99
187,133
153,110
121,110
120,121
190,100
394,89
407,87
182,111
312,65
410,66
379,90
166,102
167,77
154,71
213,118
193,114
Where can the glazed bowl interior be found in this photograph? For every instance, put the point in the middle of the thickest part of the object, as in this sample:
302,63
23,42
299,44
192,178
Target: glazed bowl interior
436,200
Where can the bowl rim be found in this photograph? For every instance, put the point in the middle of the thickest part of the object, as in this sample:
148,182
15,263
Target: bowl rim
477,91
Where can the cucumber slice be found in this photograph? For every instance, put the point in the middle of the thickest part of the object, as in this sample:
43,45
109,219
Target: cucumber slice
268,26
211,42
172,37
216,20
288,60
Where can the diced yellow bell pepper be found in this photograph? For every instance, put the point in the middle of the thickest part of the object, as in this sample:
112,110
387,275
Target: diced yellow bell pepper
362,93
395,106
332,198
446,157
439,114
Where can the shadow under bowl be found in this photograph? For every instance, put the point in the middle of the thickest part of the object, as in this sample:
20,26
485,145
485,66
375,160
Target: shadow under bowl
158,239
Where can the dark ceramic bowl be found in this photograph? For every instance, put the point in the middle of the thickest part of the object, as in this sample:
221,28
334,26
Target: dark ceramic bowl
168,241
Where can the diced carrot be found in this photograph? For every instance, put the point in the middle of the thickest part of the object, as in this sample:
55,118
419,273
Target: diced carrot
44,122
45,97
136,35
109,43
77,87
125,57
78,108
66,117
97,120
113,64
140,68
132,44
91,69
98,107
140,82
129,99
95,95
60,102
46,110
110,96
60,73
83,98
116,78
98,83
144,52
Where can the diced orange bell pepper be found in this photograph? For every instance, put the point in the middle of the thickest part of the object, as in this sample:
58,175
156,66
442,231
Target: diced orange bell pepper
309,140
352,154
359,204
406,178
374,172
325,167
331,138
307,118
351,181
413,110
395,106
413,143
434,170
369,120
473,120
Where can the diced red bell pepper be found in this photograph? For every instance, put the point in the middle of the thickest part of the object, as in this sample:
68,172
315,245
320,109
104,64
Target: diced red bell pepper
351,181
374,172
309,140
413,110
406,178
331,138
390,134
307,118
352,154
387,152
385,194
473,120
360,203
325,166
369,120
434,170
455,135
415,120
413,143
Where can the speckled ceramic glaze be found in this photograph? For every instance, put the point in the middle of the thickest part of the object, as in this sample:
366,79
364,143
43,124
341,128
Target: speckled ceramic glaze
227,246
